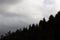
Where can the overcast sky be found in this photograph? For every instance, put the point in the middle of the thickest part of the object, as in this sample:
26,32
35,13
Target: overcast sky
17,13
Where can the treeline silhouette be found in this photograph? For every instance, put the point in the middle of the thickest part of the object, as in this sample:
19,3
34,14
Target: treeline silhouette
45,30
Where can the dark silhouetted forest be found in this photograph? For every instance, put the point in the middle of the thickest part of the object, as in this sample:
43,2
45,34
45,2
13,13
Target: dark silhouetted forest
45,30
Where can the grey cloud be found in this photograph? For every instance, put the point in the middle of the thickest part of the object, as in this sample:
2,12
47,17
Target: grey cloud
7,14
49,1
9,1
8,18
